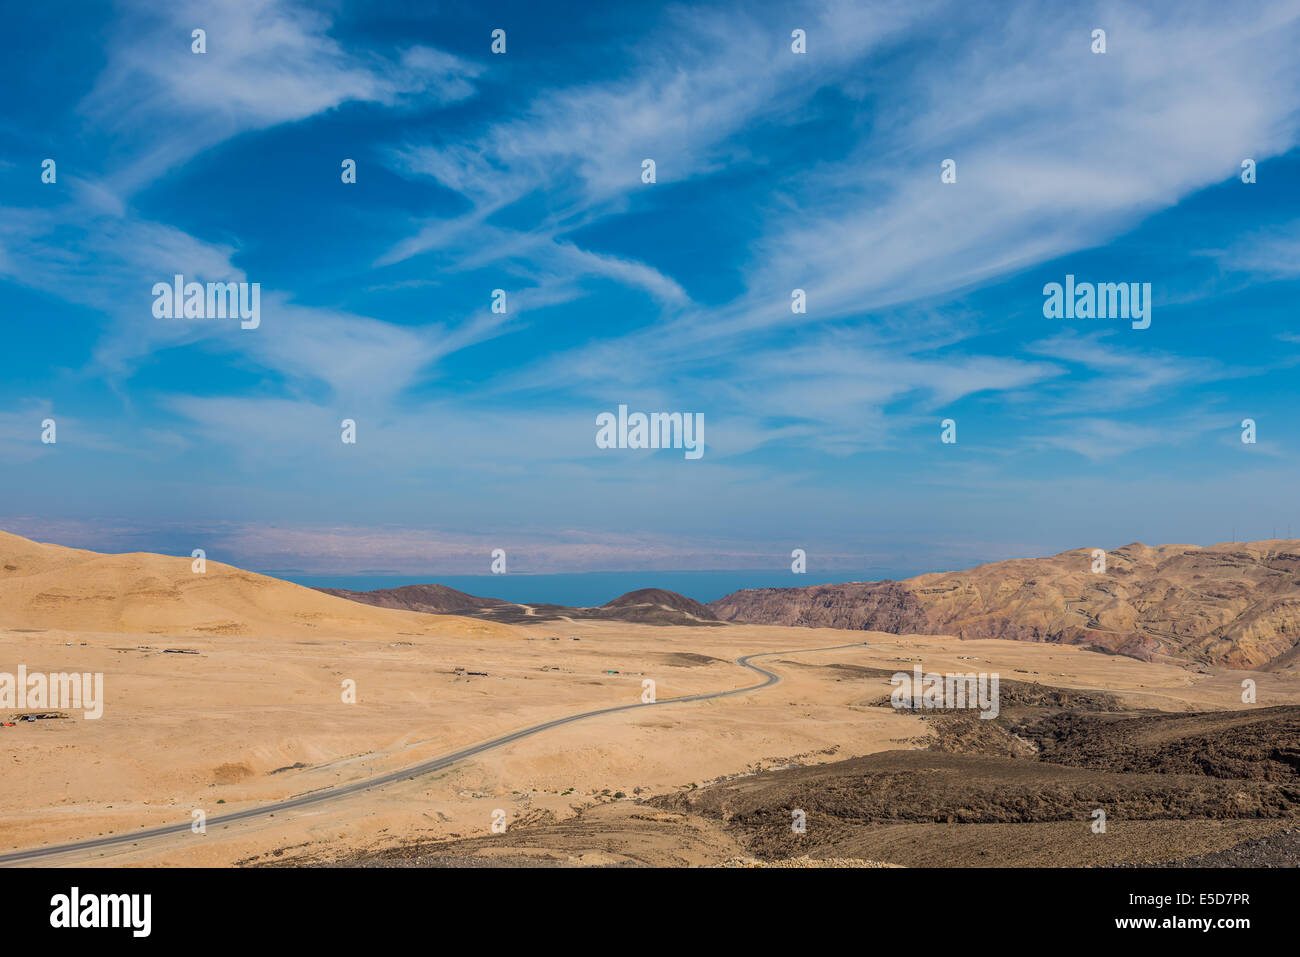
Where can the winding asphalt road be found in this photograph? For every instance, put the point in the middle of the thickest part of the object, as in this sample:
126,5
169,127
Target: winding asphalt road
437,764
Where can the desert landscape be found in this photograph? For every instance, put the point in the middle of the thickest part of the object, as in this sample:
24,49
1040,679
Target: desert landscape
497,443
225,693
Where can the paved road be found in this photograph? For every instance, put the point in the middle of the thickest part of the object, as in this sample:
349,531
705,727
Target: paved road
437,764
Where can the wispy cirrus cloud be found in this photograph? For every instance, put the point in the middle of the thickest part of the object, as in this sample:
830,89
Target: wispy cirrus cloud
1272,253
267,62
157,104
775,171
1045,135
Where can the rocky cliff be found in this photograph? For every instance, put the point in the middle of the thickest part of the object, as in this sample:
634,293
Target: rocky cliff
1235,605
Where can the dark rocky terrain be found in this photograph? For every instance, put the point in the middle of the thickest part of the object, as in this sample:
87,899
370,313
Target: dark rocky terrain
1211,789
433,599
649,606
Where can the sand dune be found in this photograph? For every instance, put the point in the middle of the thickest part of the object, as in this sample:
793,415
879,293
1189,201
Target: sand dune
51,587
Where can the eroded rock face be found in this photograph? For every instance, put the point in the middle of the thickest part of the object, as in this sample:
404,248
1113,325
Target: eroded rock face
1234,605
867,606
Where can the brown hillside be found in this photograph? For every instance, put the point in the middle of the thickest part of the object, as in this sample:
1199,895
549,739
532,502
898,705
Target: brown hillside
1235,605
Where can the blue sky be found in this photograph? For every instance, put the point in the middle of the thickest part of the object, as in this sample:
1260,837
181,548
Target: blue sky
522,172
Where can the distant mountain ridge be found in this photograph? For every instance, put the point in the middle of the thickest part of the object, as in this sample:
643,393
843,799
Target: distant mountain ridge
653,606
1233,605
432,599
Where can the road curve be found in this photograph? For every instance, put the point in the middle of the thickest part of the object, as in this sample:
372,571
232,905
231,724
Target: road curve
437,764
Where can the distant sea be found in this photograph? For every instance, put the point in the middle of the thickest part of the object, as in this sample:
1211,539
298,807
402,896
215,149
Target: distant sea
587,589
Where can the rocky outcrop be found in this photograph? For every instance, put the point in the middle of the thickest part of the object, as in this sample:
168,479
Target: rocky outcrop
866,606
664,599
1232,605
433,599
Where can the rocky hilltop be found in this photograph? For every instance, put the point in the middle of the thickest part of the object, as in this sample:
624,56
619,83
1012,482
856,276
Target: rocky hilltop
663,598
431,599
1233,605
649,606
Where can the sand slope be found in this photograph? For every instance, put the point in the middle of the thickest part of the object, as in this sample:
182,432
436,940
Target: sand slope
52,587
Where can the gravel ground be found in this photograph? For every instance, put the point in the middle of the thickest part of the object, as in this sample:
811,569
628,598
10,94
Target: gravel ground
1275,850
805,862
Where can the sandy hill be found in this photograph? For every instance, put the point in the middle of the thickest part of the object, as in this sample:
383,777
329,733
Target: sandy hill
52,587
1236,605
